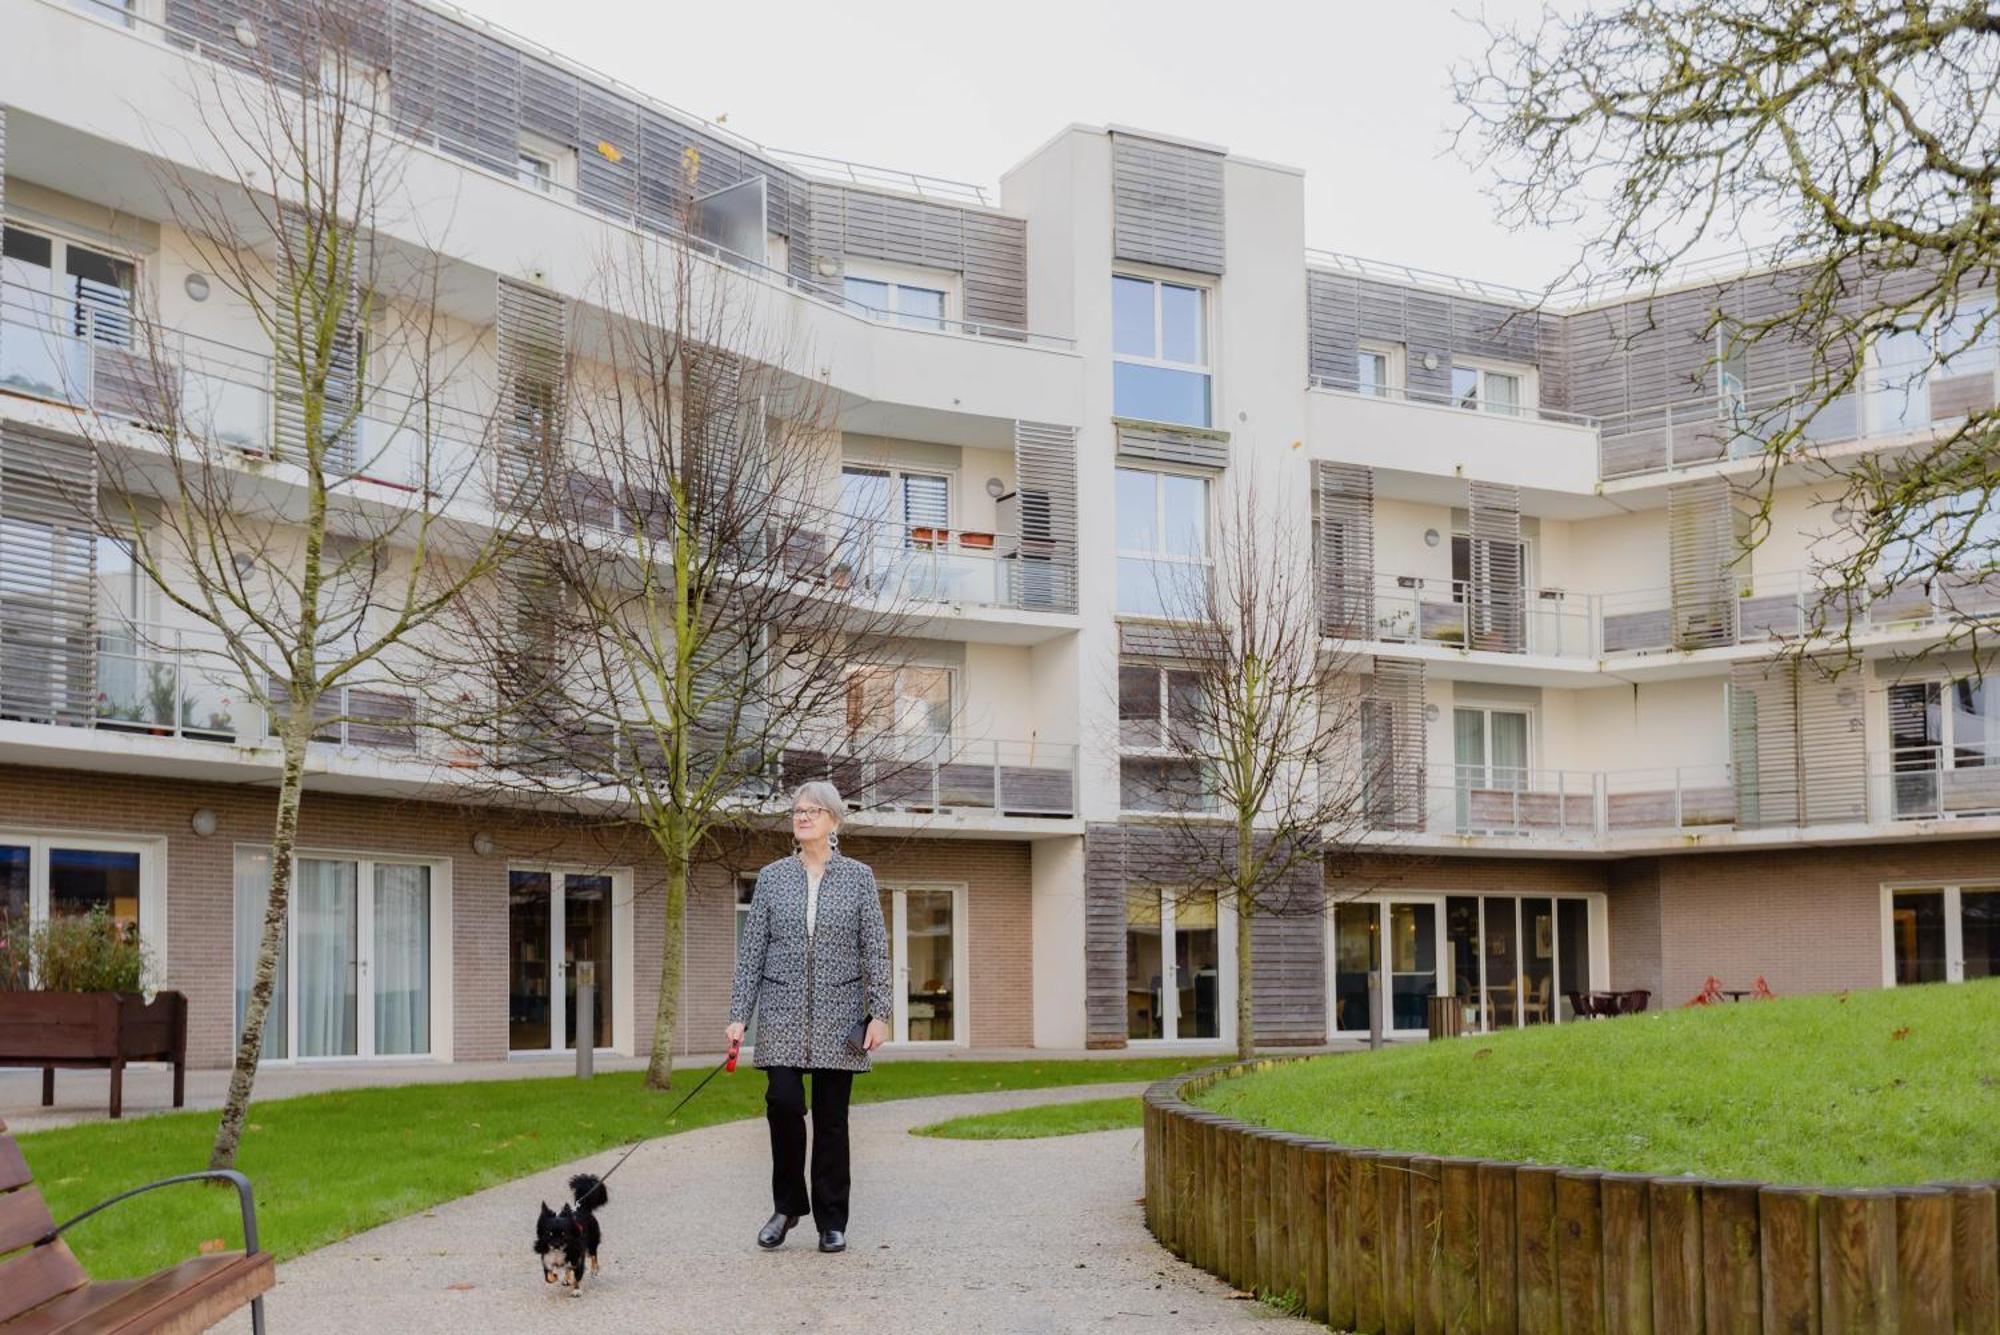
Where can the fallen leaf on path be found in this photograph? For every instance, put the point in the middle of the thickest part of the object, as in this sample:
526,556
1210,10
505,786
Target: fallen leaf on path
460,1287
1900,1034
1241,1293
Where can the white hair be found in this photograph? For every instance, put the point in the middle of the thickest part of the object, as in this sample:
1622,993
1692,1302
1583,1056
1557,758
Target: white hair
820,793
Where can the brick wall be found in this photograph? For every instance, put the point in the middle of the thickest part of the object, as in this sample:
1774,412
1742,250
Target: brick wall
1634,910
200,897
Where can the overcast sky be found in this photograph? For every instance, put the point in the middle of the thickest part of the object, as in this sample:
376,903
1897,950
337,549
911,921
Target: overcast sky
1355,94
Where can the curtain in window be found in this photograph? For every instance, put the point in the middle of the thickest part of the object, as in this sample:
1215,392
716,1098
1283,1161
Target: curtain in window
402,964
326,921
253,893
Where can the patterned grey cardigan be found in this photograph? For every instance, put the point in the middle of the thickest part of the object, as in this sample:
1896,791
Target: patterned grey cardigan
807,992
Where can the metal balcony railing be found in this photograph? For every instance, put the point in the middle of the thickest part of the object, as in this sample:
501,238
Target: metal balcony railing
942,775
1444,399
1421,609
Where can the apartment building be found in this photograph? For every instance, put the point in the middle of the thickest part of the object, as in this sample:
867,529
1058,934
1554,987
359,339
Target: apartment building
1524,518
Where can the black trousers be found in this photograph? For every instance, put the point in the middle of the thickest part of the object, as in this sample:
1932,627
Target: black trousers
785,1110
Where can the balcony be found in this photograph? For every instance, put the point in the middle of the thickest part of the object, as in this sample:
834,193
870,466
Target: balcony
1419,609
1583,809
944,777
1884,406
1409,431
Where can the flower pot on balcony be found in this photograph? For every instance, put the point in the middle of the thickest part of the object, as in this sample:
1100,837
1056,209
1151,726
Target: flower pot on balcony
980,540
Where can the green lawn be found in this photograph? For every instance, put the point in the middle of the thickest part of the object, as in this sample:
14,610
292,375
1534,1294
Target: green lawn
1047,1119
1874,1089
330,1165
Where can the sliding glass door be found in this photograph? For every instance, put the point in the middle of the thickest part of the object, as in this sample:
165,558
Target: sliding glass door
353,978
927,959
1173,965
1942,934
1516,960
1401,934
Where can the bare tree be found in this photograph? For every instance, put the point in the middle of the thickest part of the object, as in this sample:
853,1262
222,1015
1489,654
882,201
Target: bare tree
312,507
1241,731
1852,146
680,640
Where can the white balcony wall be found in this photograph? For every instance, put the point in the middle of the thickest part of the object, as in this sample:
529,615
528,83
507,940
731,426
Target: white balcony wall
1439,441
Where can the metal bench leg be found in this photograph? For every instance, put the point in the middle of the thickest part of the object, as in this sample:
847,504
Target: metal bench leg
48,1086
257,1315
180,1084
117,1089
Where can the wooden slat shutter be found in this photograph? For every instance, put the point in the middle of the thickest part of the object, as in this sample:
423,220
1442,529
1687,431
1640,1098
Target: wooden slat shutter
1166,204
312,255
1494,603
1701,543
532,328
1797,743
1045,479
1393,745
48,577
1346,527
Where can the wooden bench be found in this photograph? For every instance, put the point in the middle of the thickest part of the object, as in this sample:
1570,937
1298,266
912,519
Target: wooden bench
44,1290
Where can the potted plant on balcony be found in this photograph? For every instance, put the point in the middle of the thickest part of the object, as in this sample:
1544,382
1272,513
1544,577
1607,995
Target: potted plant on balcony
71,996
161,702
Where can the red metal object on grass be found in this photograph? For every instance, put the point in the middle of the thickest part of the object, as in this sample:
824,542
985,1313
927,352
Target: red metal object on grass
1710,994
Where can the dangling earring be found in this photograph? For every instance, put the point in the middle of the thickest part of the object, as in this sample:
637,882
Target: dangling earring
833,842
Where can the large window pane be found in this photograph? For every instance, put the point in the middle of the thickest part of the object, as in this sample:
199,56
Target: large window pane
1353,957
919,308
869,298
928,957
1132,317
101,286
1183,327
1138,706
587,939
327,920
1503,962
1465,386
1538,960
1371,373
1503,393
1917,931
1197,967
81,879
253,897
1572,950
1461,935
1412,963
402,965
1979,919
530,1001
1975,723
1143,961
1159,394
1138,511
1185,502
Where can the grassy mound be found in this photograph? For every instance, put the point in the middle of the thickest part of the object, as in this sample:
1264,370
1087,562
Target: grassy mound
1860,1089
1045,1119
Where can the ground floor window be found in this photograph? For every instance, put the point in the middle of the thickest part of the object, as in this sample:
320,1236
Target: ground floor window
1941,934
355,969
927,959
1173,964
1512,960
64,876
556,920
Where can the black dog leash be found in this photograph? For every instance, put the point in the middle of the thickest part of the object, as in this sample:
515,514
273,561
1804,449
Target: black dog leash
728,1063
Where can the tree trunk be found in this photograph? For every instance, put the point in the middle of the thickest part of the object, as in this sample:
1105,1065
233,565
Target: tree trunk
678,850
1246,1029
250,1042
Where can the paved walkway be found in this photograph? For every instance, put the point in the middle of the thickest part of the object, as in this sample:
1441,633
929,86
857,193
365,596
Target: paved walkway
946,1236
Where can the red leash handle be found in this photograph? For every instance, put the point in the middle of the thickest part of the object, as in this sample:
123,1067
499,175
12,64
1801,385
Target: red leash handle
735,1047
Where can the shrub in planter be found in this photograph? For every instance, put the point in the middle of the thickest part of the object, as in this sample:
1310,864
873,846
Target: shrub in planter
93,952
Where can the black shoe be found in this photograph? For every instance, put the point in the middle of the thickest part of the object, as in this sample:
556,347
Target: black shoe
774,1230
833,1240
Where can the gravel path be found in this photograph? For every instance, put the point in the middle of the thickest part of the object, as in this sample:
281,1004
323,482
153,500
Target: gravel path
946,1235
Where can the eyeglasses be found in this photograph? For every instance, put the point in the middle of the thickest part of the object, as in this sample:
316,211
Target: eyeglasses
808,813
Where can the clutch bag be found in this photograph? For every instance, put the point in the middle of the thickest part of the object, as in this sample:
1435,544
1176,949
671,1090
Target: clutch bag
857,1037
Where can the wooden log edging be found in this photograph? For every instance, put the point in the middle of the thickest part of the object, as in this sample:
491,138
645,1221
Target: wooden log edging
1383,1243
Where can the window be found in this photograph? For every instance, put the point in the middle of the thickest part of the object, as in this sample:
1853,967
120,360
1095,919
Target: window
1163,554
902,303
1944,739
911,701
121,12
66,877
1936,373
1159,721
1378,370
535,171
1941,934
898,530
1159,342
57,298
544,165
1173,964
1479,387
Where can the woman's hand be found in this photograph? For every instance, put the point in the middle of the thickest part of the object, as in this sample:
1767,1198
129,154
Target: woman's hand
734,1033
878,1034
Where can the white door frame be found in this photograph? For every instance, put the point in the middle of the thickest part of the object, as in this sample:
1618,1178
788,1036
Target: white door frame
152,880
898,924
623,991
1379,902
1954,924
1225,979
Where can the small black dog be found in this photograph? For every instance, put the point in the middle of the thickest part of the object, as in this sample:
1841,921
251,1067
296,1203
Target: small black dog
568,1239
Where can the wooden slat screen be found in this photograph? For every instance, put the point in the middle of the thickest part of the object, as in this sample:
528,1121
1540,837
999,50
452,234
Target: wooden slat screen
1495,617
48,577
532,330
1393,745
1701,542
1166,204
1345,525
1045,479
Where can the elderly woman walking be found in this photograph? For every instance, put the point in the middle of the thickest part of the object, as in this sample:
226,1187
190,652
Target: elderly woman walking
813,967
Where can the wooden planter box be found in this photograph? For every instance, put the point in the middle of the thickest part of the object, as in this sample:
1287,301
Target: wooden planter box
91,1030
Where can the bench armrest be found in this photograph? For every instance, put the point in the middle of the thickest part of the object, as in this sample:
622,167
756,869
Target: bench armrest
229,1175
